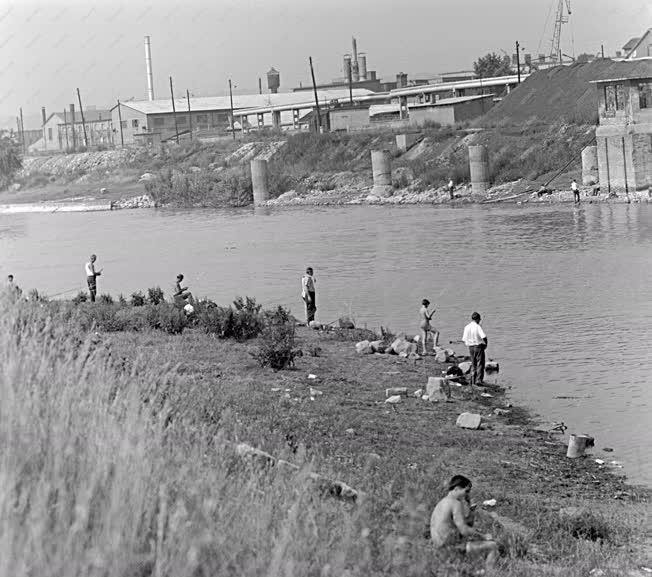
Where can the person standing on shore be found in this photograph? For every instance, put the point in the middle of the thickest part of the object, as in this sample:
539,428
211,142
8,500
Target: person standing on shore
425,317
451,189
576,191
91,277
12,289
308,294
475,338
451,524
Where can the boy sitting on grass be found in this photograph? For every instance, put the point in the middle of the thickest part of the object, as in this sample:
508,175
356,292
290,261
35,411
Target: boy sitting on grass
451,524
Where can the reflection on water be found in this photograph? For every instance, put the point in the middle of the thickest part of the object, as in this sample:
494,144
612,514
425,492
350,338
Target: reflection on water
563,291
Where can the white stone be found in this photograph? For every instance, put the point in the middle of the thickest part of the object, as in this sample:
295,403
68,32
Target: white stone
465,367
394,400
393,391
418,393
469,421
438,386
363,348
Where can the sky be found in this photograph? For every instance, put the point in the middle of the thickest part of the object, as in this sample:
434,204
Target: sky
49,48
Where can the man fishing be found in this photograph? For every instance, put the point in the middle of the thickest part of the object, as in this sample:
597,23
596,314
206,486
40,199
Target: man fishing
476,339
91,277
308,294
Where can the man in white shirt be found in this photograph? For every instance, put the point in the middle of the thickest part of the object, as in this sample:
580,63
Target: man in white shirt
91,275
308,294
576,191
476,340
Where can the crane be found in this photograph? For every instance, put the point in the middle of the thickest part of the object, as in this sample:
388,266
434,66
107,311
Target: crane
562,18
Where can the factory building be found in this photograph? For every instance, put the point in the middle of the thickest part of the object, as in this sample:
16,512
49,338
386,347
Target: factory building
624,133
65,130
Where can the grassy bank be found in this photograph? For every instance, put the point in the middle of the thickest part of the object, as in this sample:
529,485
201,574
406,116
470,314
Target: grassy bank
117,460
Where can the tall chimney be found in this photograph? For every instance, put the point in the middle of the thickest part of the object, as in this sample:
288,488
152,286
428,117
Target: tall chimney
148,65
355,70
355,50
362,66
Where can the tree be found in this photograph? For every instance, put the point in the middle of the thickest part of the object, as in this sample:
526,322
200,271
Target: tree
492,65
10,162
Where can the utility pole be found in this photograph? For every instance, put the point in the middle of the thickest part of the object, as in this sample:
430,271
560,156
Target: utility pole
350,81
602,49
43,119
22,131
122,138
72,127
518,62
189,117
81,111
260,85
314,87
232,118
174,112
65,126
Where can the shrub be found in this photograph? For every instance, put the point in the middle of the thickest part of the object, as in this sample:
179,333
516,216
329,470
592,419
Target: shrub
155,295
137,299
35,296
241,321
101,316
166,317
81,297
122,300
276,347
105,299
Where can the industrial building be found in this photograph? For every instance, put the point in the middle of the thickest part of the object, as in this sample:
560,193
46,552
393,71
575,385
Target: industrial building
624,133
66,131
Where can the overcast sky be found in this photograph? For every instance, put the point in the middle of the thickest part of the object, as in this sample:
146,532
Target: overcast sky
48,48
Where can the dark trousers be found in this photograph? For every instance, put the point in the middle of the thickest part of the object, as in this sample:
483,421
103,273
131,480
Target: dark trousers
576,195
92,287
476,353
311,307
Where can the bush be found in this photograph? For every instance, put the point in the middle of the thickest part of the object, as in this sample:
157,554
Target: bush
276,348
155,296
166,317
105,299
81,297
137,299
241,321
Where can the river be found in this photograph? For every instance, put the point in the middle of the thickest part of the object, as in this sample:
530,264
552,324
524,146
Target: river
564,292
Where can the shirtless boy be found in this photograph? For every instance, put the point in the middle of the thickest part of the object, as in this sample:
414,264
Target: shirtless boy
451,524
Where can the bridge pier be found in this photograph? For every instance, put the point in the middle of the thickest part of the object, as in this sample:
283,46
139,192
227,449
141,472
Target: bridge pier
276,119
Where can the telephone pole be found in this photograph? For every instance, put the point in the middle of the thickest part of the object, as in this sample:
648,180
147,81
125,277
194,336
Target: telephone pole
314,87
232,118
518,62
174,112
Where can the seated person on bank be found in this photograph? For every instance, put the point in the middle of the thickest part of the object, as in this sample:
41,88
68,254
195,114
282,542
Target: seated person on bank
451,524
181,293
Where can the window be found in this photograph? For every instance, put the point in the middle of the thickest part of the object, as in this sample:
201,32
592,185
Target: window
159,121
134,123
645,94
201,119
621,96
123,124
182,119
615,96
49,133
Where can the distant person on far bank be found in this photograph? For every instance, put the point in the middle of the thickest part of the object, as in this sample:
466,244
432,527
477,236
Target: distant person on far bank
425,316
308,294
576,191
451,189
451,524
475,338
91,277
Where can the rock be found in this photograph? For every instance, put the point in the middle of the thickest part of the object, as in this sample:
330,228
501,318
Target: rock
146,176
489,503
400,391
492,367
394,400
15,187
104,190
498,411
350,431
346,323
315,325
373,456
438,386
377,346
469,421
402,345
465,367
363,348
315,392
195,169
372,198
441,356
418,393
426,398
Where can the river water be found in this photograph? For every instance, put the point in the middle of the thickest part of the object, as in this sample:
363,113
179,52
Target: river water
565,293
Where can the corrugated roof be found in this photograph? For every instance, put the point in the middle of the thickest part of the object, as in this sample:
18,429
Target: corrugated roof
240,101
89,115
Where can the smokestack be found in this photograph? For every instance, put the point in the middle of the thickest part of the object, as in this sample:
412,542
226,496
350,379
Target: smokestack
148,65
362,66
355,50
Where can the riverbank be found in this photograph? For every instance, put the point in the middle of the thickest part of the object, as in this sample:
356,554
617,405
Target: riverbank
187,396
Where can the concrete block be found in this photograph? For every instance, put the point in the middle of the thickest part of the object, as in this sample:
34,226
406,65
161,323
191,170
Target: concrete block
469,421
400,391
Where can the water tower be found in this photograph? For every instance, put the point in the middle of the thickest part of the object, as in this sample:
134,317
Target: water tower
273,80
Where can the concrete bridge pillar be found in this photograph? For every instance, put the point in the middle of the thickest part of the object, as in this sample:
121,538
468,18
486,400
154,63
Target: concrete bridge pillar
260,117
590,165
381,166
296,116
479,167
403,107
259,180
276,118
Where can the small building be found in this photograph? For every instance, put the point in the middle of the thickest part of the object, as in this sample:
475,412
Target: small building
624,133
60,134
639,47
347,118
450,111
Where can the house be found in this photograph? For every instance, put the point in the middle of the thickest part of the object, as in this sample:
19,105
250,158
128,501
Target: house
60,134
624,133
639,47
